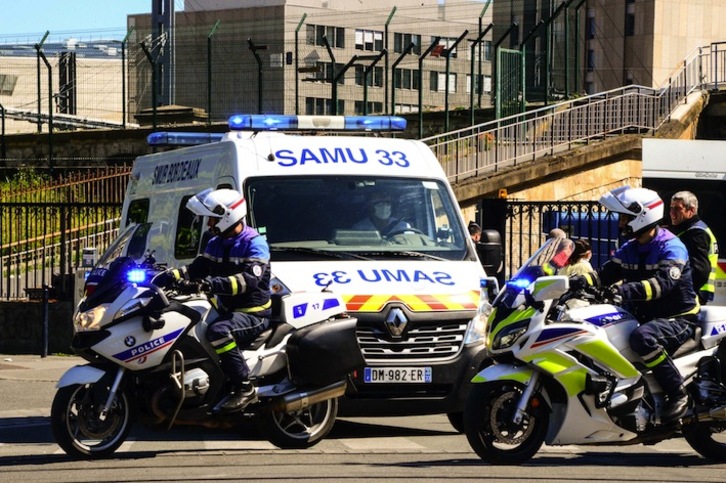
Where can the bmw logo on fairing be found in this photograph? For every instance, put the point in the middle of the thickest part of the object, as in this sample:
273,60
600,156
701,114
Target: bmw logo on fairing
396,322
130,341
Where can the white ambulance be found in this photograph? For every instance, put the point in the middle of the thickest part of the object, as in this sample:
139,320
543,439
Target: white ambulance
415,284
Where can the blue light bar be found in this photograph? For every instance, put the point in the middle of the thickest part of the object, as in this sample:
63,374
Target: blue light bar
520,282
136,275
182,138
260,122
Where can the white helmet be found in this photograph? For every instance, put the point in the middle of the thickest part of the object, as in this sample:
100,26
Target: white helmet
226,204
644,205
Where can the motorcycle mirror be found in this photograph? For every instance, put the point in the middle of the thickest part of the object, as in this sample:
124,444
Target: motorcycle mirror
551,287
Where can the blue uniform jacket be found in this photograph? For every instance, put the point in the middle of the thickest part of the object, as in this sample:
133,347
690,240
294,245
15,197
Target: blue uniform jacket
656,277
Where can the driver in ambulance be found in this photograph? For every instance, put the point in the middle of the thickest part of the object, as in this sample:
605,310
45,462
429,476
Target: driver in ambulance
380,211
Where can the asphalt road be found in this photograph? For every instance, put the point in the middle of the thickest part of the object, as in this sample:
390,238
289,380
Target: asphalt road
358,450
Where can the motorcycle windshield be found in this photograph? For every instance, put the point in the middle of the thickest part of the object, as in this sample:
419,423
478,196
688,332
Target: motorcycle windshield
547,260
130,243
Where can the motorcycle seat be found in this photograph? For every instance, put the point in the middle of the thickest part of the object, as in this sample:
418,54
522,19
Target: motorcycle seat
691,344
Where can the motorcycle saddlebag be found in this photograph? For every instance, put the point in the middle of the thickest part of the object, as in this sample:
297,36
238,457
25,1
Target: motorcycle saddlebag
322,354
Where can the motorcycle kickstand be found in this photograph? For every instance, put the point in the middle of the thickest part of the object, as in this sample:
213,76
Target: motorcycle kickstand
524,400
177,359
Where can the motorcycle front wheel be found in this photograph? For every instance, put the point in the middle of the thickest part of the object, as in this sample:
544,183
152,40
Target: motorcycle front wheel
299,429
708,439
77,428
489,427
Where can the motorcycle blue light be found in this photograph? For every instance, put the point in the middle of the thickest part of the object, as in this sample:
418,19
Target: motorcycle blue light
520,282
182,138
255,122
136,275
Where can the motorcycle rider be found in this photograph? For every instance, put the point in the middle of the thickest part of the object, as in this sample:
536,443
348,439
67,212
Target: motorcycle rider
656,285
236,269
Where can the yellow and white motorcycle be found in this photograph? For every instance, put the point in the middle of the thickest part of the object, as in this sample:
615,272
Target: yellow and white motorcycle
563,372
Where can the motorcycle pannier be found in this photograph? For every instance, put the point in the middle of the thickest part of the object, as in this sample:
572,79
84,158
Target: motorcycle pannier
324,353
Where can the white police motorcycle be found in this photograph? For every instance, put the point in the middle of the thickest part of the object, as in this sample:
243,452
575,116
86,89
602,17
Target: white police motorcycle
148,360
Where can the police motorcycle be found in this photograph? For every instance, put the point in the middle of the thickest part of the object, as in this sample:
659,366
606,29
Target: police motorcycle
563,372
148,360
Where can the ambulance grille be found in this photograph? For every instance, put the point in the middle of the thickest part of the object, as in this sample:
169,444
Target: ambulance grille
418,344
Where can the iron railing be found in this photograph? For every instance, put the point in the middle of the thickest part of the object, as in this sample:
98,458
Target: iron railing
503,143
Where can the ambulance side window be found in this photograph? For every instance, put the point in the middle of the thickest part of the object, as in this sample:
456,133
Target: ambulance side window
188,232
138,212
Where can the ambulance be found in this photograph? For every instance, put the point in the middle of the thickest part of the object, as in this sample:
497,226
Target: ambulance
418,291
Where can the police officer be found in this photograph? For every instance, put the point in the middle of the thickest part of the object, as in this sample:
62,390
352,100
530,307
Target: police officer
235,264
656,286
699,240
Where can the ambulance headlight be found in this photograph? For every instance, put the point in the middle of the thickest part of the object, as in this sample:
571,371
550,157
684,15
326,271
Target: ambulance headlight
477,329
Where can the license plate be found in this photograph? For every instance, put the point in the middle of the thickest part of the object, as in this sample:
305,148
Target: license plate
397,374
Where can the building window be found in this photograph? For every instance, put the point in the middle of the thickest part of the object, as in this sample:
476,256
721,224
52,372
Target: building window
484,84
444,45
590,60
335,35
371,40
590,25
321,106
401,41
373,107
375,76
630,19
324,74
405,79
438,81
487,50
7,84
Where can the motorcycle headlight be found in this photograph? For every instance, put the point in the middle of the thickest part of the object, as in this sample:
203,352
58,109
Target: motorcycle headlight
88,320
509,335
477,328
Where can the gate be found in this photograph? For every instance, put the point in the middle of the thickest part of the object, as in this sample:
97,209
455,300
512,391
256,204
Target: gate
524,226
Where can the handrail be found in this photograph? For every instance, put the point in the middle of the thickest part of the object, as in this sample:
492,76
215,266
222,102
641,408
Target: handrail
503,143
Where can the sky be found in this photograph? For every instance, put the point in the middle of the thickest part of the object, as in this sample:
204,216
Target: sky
28,17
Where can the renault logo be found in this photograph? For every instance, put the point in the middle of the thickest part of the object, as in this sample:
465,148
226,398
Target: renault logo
396,322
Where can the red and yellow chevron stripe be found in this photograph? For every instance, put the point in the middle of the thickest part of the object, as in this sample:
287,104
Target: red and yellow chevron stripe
415,303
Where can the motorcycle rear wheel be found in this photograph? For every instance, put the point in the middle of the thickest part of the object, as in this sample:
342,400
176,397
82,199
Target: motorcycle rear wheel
490,430
299,429
709,440
77,428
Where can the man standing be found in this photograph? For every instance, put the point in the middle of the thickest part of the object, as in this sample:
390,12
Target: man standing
699,240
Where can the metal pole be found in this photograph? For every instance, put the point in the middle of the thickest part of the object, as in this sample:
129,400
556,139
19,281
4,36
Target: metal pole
2,133
473,81
153,83
406,51
367,71
39,46
333,78
577,45
496,71
45,321
209,73
297,64
385,67
50,110
123,76
479,74
421,58
446,90
254,48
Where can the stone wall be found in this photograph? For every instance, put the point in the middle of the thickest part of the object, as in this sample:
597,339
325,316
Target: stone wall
22,331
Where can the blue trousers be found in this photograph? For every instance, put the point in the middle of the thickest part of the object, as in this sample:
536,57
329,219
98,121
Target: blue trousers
230,335
655,342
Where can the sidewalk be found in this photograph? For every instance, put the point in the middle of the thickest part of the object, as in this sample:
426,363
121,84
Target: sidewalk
35,368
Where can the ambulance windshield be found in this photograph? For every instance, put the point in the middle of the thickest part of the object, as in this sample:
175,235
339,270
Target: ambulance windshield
369,217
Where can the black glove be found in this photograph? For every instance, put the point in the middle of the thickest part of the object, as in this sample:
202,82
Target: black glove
612,295
578,282
193,286
165,279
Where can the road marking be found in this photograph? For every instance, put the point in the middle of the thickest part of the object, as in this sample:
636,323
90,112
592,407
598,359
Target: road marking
238,445
381,445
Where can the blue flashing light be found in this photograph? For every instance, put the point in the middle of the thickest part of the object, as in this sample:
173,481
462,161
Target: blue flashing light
136,275
520,282
260,122
182,138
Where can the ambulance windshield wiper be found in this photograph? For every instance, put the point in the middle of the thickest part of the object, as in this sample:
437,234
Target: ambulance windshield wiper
405,254
317,251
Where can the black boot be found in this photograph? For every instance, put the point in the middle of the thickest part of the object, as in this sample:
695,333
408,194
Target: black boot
242,395
675,407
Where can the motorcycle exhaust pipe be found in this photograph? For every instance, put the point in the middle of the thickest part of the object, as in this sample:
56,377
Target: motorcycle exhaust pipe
300,400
